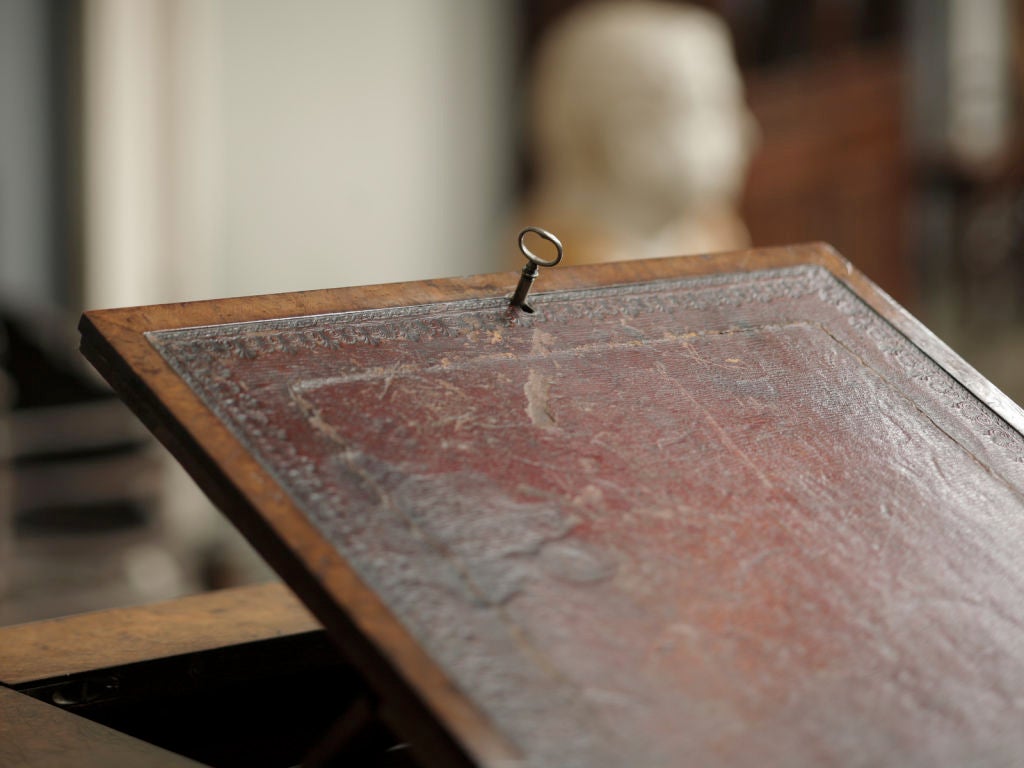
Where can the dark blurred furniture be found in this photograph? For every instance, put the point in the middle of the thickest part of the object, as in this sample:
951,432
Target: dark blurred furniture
966,63
832,165
241,677
83,482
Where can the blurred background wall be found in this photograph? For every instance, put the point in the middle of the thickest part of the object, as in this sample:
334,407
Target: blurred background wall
165,150
250,146
37,120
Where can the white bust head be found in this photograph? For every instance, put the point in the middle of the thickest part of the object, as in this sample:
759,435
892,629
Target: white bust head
638,112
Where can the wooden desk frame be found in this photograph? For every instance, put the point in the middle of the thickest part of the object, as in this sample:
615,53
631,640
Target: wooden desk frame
421,703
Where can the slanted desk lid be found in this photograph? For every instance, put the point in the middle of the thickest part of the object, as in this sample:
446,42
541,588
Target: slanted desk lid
732,510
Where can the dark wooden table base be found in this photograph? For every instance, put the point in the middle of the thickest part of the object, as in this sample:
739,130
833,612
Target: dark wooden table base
242,677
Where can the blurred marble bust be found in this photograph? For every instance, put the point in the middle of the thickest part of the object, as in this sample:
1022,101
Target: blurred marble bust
640,133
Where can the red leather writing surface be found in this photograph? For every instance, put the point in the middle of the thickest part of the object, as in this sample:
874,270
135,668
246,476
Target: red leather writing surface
730,520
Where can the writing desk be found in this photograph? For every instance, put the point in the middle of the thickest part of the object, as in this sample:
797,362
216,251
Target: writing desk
729,510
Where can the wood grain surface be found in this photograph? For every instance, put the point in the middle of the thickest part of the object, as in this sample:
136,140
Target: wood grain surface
732,510
120,636
37,735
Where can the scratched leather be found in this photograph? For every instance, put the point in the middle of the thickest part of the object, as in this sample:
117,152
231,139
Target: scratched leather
719,521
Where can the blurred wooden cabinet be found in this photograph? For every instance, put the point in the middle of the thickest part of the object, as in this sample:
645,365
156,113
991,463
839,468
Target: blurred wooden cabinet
832,164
